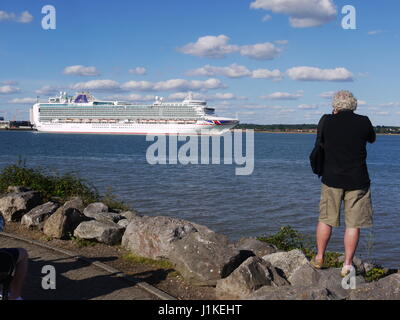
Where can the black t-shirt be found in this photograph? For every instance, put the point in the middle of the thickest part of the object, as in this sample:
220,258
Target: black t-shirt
344,136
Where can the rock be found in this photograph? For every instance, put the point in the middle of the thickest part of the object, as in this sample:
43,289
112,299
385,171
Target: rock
129,215
387,288
288,262
152,237
290,293
357,263
204,257
17,189
93,208
36,217
105,232
330,279
257,247
64,220
247,278
14,205
123,223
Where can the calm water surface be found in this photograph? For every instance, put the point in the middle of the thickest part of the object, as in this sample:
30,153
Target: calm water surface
281,191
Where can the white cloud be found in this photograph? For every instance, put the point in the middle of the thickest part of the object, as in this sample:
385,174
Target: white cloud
209,46
282,42
206,97
267,74
9,82
103,85
391,104
23,101
302,13
232,71
80,70
138,71
374,32
25,17
266,18
327,95
9,89
235,71
173,84
260,51
317,74
283,96
308,106
219,47
48,90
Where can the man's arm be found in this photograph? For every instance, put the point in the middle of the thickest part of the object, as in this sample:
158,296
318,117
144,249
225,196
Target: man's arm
319,129
371,136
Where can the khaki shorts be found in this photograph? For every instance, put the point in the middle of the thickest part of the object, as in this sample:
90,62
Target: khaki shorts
357,207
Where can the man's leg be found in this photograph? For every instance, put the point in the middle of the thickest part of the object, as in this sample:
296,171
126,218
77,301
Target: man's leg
20,274
324,232
351,237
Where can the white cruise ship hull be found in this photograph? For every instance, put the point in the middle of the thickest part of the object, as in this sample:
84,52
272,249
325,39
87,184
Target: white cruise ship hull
134,128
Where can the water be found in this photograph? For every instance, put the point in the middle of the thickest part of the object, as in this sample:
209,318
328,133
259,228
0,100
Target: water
281,191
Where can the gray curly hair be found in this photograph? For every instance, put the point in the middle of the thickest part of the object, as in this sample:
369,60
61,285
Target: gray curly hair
344,100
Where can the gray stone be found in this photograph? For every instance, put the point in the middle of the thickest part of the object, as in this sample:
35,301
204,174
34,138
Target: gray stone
94,208
330,278
64,221
153,237
123,223
129,215
204,257
17,189
387,288
105,232
14,205
247,278
37,216
288,262
290,293
357,263
257,247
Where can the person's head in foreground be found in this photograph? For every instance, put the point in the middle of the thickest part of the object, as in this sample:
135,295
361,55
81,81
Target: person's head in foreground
344,100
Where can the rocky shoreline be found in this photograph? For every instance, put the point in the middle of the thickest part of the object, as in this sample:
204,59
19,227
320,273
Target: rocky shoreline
248,269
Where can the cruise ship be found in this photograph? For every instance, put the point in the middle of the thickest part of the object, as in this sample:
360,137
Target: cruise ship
85,114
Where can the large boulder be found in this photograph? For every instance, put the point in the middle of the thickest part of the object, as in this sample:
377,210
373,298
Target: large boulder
37,216
17,189
257,247
103,231
123,223
288,261
330,278
129,215
204,257
64,221
100,212
247,278
15,204
387,288
95,207
153,237
290,293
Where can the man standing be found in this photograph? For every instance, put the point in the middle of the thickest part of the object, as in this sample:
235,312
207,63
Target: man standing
345,176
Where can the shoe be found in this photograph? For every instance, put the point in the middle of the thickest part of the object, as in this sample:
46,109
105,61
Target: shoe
317,263
346,270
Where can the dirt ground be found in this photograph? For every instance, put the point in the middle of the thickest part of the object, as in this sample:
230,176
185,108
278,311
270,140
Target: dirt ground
168,281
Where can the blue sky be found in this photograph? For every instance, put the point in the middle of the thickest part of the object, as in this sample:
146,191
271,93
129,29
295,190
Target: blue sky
266,61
